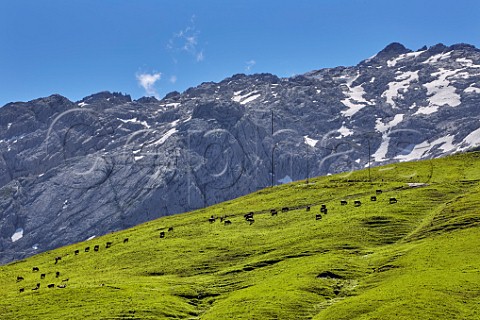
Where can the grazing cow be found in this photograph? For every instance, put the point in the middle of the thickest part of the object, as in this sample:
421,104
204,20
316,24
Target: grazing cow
323,208
250,220
19,278
65,280
357,203
42,276
57,259
51,285
285,209
273,212
125,240
308,208
318,217
373,198
57,274
35,269
21,290
325,211
343,202
248,216
37,287
162,234
108,245
227,222
87,249
77,252
378,191
211,219
96,248
170,229
393,200
61,286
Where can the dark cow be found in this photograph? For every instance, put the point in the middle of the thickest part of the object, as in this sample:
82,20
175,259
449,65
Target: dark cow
57,274
393,200
61,286
37,287
57,259
211,219
51,285
77,252
227,222
96,248
323,208
373,198
125,240
35,269
42,276
308,208
285,209
162,234
378,191
250,220
273,212
108,245
19,278
343,202
87,249
65,280
357,203
170,229
248,216
318,217
325,211
21,290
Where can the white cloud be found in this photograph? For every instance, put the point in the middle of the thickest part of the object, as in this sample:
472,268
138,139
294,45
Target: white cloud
249,65
200,56
147,82
173,79
186,40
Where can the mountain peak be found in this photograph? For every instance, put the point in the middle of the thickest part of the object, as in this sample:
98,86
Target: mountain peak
393,49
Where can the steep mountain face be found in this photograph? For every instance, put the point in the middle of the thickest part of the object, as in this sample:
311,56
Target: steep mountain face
70,171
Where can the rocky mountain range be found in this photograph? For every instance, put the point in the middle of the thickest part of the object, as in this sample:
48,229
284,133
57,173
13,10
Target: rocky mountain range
70,171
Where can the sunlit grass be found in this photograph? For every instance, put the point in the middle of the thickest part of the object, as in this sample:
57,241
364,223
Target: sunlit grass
416,259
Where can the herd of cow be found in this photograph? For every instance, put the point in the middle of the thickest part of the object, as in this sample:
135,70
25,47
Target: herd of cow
248,217
323,210
63,283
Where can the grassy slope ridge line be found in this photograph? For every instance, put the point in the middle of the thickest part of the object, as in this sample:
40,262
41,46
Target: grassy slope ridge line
418,258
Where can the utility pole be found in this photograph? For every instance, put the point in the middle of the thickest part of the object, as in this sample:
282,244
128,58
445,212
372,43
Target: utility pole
273,148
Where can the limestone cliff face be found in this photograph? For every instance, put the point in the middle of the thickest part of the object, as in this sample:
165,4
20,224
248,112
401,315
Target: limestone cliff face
73,170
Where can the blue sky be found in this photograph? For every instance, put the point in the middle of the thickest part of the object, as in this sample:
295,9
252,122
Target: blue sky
146,47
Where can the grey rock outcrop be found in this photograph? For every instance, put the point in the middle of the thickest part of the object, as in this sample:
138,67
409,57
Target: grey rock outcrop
70,171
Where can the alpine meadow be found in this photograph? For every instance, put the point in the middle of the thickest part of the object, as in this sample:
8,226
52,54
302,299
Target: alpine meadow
400,242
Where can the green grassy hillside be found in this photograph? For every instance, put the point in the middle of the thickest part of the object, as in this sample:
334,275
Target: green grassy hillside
418,258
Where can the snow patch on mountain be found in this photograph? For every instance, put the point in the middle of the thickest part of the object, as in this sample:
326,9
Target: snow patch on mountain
17,235
384,128
344,131
165,137
440,92
245,98
393,62
309,141
354,100
136,121
395,89
438,57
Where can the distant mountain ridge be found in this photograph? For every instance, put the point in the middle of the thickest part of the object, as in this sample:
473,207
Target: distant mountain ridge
73,170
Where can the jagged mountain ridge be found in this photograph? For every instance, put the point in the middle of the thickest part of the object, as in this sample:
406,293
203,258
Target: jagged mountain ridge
70,171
